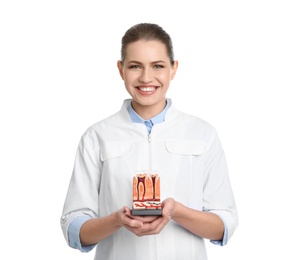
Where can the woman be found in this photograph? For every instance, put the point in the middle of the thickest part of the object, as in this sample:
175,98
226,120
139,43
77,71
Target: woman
149,133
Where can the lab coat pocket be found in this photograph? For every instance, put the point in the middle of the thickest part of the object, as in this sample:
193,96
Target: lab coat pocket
185,147
112,150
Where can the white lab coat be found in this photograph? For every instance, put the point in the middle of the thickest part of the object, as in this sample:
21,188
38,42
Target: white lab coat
186,153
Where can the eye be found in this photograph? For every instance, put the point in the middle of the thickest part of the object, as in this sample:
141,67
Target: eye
158,66
134,67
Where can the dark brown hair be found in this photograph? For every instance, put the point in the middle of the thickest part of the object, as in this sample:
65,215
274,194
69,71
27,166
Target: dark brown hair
147,31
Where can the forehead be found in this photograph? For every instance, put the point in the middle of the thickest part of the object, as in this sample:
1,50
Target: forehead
143,49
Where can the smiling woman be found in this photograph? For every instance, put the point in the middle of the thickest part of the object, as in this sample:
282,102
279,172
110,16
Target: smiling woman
149,134
147,71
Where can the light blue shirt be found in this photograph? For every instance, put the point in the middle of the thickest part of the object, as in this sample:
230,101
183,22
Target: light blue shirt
75,225
135,118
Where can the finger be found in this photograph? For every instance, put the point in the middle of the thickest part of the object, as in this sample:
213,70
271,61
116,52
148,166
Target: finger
135,223
166,213
155,227
130,222
127,211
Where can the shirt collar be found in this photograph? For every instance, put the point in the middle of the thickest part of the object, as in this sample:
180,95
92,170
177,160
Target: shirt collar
135,118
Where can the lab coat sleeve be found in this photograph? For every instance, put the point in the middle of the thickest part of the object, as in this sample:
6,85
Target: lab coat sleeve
218,195
83,191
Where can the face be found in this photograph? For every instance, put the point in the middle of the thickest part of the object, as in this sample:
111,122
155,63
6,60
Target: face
147,73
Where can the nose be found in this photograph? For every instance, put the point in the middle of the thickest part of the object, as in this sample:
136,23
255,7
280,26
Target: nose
146,76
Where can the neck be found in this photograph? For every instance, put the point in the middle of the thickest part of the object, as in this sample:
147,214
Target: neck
147,112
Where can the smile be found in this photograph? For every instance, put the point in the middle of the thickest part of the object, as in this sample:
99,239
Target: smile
147,89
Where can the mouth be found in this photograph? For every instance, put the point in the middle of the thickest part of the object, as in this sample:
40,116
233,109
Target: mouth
147,89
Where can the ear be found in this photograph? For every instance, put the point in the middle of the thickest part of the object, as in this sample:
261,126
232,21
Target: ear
120,68
174,69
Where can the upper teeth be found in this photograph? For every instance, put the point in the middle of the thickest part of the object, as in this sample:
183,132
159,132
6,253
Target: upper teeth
147,88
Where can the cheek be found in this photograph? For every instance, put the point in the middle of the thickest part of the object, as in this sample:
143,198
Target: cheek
165,77
127,80
129,77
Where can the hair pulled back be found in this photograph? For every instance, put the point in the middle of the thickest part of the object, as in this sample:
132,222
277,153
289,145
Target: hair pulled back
147,31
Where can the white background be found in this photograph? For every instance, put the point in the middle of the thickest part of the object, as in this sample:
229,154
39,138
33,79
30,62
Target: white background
58,76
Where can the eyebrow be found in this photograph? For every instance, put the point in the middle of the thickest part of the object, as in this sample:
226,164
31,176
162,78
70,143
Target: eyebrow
138,62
